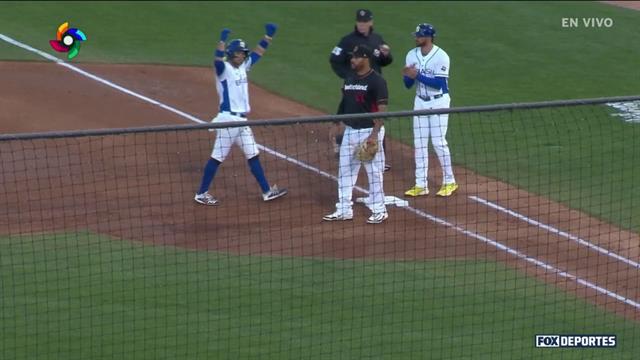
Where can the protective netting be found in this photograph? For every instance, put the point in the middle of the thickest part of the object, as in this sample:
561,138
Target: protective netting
105,254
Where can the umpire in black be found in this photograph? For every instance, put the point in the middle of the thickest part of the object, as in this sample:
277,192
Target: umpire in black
362,34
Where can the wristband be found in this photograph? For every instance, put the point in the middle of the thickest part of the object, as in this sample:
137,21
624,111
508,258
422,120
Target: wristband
219,53
263,43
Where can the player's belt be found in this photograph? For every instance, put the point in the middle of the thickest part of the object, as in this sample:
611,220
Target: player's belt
429,98
238,114
242,115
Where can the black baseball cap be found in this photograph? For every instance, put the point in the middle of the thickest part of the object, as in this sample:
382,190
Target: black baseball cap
364,15
362,51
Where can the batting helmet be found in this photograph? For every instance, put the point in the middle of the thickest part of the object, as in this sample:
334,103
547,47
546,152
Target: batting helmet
235,46
425,30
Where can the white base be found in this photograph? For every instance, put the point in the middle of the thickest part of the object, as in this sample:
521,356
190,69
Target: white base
388,200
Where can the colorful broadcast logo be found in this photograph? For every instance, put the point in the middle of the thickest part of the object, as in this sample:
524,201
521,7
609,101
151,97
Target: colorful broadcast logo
68,40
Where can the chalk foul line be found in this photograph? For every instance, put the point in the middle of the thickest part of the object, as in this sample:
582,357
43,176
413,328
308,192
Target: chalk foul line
556,231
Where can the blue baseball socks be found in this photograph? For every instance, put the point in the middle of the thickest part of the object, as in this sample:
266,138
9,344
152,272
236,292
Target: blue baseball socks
209,172
256,170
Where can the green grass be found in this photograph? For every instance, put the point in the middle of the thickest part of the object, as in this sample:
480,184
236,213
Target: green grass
500,51
82,296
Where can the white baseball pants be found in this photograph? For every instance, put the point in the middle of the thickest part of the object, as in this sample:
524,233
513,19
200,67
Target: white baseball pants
432,127
226,137
349,166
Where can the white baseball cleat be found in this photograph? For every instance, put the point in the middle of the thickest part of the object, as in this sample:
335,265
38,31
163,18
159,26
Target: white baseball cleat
274,193
337,216
377,218
206,199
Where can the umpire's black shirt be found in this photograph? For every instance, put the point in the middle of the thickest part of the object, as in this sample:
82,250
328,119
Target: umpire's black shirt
340,55
363,94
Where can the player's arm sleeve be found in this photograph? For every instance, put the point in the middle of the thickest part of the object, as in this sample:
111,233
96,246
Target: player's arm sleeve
253,58
339,59
258,51
408,82
218,62
438,82
219,66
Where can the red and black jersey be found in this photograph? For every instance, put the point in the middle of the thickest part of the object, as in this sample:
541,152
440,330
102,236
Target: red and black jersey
363,94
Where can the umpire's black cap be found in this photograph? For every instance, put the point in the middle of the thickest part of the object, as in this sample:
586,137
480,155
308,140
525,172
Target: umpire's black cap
364,15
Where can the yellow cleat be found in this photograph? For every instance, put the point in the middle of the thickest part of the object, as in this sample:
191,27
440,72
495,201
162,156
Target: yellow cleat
417,191
447,189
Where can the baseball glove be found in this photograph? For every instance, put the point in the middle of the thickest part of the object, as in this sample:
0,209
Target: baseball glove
367,150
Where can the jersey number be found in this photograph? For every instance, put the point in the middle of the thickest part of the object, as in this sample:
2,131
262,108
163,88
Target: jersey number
360,98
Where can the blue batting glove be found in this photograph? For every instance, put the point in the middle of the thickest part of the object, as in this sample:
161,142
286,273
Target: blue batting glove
271,29
224,35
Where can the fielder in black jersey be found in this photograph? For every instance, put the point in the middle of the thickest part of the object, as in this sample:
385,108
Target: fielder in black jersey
363,92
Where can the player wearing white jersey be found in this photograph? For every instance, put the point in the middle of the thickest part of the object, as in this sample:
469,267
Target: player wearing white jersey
427,66
233,92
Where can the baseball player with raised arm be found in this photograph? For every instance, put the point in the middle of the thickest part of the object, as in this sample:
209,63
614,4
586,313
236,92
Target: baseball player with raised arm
427,66
365,91
233,92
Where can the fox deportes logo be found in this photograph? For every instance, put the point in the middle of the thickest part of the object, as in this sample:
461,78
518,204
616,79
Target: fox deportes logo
68,40
576,341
